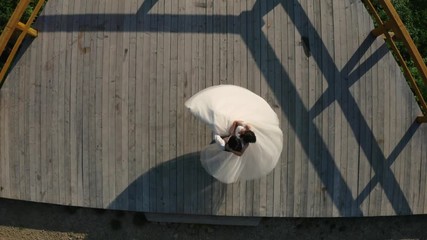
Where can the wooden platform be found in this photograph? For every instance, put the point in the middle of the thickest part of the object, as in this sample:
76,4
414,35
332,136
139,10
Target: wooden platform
92,114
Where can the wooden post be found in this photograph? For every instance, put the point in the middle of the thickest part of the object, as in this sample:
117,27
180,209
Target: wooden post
31,31
403,33
14,23
380,30
11,24
399,31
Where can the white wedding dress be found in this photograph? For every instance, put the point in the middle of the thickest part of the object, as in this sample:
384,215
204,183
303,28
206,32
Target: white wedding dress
219,106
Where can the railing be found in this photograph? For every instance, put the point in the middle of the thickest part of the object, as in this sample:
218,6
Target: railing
25,28
393,30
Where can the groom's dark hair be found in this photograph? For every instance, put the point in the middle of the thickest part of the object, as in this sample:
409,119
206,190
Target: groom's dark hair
235,144
248,136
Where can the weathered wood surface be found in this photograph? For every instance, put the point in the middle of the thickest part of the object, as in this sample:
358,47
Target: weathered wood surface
92,113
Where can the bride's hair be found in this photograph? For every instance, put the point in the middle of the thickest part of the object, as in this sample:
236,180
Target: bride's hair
248,136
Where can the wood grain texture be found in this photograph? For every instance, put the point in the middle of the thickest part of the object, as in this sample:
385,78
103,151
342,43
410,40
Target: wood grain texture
92,113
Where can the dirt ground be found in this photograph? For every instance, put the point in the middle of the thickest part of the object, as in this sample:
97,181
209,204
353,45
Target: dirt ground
25,220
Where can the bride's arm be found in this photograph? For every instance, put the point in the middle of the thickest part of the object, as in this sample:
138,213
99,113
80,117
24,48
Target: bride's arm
234,125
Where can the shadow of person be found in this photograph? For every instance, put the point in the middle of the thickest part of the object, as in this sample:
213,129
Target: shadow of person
179,185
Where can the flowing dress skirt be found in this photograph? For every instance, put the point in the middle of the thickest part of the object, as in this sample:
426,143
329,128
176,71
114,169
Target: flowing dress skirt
219,106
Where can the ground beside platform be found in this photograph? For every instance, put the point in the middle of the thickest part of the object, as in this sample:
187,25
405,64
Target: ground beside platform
25,220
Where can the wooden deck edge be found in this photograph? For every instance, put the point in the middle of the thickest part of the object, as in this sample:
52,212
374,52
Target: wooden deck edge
203,219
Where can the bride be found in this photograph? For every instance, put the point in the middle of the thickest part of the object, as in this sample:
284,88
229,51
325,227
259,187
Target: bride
246,131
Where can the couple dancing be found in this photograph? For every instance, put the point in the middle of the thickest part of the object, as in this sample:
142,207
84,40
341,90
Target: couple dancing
248,140
238,139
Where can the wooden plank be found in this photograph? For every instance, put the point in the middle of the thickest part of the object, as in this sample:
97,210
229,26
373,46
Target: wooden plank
204,132
250,73
61,105
51,194
235,75
387,147
122,114
282,20
173,126
87,104
375,194
356,38
331,111
290,99
202,139
320,144
141,135
45,107
300,175
13,128
195,123
222,7
106,36
255,49
57,122
182,21
304,95
267,87
354,119
311,97
398,165
120,104
417,187
424,158
5,153
392,140
152,113
99,106
66,177
4,163
366,99
33,140
25,168
209,79
90,108
90,179
228,70
277,91
72,110
243,81
133,175
345,105
19,127
405,185
215,193
165,93
146,46
157,108
337,113
369,120
219,190
79,114
111,68
15,125
139,93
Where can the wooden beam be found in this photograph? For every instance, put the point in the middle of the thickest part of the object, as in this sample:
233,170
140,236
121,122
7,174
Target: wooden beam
400,29
31,31
380,30
422,119
11,24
